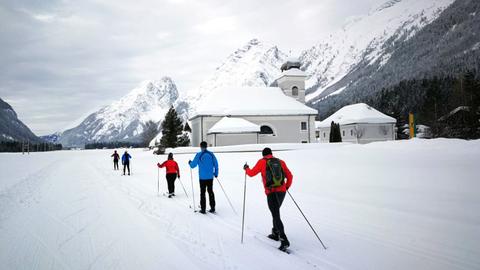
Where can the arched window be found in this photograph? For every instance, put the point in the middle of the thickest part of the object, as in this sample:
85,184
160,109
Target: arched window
294,91
266,130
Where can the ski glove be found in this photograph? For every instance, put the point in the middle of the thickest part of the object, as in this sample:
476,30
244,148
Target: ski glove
245,166
189,162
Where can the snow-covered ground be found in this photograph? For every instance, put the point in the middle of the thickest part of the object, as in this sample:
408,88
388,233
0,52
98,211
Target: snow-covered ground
392,205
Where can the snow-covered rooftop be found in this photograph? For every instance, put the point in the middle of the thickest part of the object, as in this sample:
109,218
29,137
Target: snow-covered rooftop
234,125
357,113
293,72
238,101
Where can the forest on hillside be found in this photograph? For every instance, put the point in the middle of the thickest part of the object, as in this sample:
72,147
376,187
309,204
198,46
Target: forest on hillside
448,105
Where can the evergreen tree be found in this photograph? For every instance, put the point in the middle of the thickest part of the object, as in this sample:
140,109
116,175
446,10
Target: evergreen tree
187,128
335,135
171,129
184,140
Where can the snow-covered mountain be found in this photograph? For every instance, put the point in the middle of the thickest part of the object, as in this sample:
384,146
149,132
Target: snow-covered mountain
365,40
52,138
11,128
257,63
434,39
123,120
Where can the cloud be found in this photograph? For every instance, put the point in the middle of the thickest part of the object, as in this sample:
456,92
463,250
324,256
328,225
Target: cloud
63,58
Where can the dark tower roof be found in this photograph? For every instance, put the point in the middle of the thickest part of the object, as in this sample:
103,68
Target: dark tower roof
291,63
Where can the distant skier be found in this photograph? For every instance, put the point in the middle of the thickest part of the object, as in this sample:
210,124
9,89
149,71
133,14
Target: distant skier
172,172
273,171
207,169
126,162
116,157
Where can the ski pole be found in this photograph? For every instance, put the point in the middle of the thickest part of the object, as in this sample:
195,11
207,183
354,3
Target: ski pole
226,196
158,181
244,197
306,219
193,193
184,190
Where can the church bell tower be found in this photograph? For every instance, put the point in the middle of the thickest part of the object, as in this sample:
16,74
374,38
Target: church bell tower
292,79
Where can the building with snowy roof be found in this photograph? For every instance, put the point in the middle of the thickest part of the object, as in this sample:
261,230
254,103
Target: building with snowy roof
250,115
359,123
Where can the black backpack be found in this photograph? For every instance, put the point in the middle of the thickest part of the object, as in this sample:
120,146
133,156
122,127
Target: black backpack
275,174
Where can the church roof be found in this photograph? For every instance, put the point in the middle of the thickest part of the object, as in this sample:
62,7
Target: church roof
355,114
244,101
234,125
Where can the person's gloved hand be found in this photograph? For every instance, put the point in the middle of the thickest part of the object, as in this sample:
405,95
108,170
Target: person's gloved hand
245,166
189,162
158,164
216,175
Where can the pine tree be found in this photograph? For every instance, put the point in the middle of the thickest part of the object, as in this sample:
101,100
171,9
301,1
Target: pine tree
187,128
335,135
171,130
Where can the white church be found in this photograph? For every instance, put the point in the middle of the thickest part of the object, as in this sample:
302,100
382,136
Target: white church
257,115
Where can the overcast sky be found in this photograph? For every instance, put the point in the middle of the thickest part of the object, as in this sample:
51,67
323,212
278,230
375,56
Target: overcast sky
60,59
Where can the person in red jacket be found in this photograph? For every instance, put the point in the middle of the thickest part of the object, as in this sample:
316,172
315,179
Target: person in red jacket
172,172
273,171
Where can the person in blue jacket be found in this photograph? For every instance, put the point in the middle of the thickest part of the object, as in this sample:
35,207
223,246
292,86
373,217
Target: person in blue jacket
207,169
126,162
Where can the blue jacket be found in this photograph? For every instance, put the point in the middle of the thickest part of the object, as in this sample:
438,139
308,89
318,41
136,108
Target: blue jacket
126,157
207,165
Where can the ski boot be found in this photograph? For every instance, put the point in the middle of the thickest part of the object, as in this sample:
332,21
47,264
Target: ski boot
274,235
284,244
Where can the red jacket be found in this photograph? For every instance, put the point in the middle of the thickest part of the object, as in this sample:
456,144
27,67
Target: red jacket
171,165
261,167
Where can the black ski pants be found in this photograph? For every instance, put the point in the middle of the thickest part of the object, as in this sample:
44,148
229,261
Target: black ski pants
126,165
275,200
115,164
171,177
206,185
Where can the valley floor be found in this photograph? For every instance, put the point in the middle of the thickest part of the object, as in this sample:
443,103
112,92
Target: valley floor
392,205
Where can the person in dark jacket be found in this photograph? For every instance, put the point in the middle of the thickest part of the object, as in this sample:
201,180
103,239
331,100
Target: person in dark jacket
126,162
207,169
172,172
116,157
275,195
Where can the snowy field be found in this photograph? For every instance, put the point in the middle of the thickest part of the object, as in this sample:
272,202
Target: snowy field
394,205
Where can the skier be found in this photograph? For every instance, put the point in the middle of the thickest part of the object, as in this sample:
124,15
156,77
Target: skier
126,162
207,169
116,157
273,171
172,172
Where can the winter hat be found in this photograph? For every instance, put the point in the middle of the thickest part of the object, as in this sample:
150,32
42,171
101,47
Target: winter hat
170,155
203,145
266,151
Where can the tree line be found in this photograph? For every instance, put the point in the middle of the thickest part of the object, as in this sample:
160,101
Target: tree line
16,146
